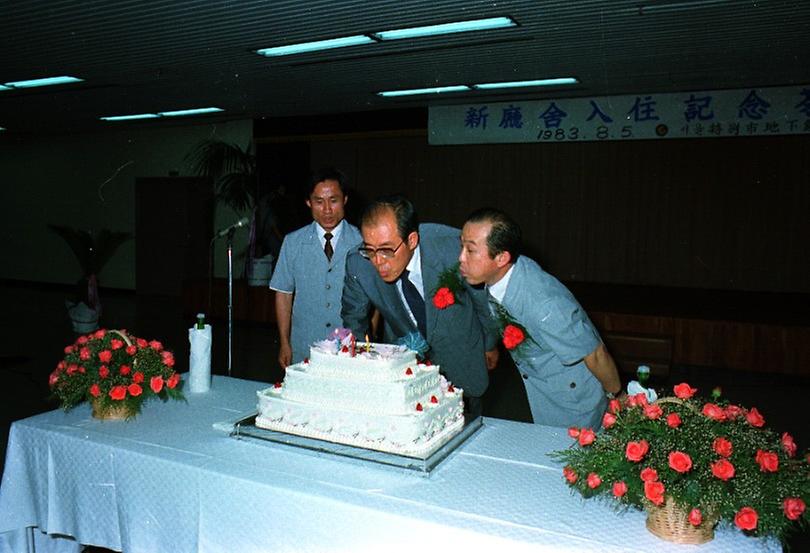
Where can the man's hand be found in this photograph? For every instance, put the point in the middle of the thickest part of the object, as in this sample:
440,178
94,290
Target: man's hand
284,356
492,358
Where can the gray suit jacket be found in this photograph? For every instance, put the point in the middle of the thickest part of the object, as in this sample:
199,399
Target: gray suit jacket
561,389
458,335
302,269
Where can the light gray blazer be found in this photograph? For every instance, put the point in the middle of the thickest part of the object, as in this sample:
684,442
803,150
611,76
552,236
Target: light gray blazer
560,388
303,269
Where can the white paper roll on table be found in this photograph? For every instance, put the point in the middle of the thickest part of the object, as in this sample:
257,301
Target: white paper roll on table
199,379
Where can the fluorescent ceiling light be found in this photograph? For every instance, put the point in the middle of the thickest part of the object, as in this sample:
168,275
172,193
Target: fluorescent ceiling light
393,34
414,91
679,6
447,28
196,111
2,128
5,87
177,113
47,81
316,45
518,84
482,86
130,117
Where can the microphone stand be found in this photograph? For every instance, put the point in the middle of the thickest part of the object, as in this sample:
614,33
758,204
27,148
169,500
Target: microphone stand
230,297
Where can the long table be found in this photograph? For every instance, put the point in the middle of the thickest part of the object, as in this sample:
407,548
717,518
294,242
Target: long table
168,481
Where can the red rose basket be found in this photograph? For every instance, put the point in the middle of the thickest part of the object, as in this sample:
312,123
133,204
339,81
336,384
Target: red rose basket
116,372
690,463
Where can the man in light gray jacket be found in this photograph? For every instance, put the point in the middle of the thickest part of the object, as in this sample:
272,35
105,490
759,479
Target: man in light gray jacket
566,369
308,278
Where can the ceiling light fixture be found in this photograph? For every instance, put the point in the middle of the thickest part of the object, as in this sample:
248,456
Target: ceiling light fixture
447,28
482,86
47,81
177,113
130,117
195,111
676,6
415,91
392,34
522,84
315,46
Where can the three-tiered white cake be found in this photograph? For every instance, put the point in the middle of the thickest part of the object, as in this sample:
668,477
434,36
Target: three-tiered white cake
371,395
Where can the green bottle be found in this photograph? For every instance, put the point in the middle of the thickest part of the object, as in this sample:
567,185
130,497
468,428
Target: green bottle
643,374
200,321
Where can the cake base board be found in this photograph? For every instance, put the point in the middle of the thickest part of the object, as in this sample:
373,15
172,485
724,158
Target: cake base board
423,462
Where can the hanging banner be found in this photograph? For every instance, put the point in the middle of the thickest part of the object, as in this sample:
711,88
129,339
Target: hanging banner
718,113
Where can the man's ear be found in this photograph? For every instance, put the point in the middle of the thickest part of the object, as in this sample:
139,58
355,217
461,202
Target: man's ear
413,240
309,204
503,259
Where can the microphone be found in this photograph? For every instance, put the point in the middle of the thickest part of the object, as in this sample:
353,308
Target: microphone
238,224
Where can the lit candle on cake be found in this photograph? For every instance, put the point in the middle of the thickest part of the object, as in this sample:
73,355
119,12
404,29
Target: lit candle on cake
368,345
354,342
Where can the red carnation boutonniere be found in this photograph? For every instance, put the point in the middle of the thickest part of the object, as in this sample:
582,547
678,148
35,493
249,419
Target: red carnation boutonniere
513,336
512,332
449,288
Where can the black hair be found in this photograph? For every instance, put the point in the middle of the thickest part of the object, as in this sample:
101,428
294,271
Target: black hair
504,236
402,208
326,173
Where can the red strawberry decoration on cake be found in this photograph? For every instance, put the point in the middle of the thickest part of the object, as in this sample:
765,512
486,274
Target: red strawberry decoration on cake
408,371
450,388
345,349
419,407
433,399
277,385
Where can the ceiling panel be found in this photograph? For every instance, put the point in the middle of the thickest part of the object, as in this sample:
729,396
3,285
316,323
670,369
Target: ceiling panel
138,56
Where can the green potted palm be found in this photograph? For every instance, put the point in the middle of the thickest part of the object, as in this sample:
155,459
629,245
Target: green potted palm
92,250
233,171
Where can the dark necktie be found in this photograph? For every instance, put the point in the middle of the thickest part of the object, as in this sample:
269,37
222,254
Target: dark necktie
415,302
493,303
327,248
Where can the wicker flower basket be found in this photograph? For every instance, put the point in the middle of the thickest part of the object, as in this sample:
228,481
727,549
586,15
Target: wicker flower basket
114,413
670,522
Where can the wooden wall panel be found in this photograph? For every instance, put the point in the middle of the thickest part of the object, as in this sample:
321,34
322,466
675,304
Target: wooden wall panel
748,346
729,214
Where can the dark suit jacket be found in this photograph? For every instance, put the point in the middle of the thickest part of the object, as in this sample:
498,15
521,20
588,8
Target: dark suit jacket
458,335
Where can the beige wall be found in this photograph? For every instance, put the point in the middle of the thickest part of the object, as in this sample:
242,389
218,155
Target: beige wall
88,181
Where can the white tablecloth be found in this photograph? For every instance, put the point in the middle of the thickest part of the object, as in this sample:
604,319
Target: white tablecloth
168,481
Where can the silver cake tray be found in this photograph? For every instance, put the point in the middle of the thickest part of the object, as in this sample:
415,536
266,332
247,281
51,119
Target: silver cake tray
245,428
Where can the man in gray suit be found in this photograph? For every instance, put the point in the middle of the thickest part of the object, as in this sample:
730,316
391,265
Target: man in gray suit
566,369
308,278
397,270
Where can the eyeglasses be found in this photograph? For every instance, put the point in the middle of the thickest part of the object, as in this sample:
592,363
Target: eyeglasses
385,253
